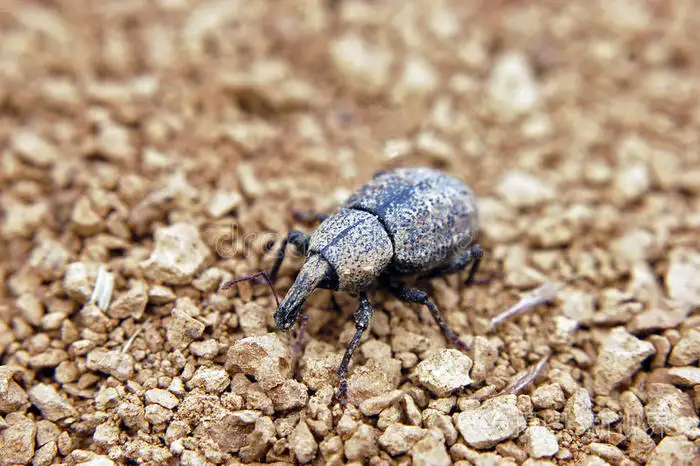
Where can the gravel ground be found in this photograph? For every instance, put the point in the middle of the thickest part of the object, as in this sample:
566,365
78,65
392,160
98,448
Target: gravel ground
152,150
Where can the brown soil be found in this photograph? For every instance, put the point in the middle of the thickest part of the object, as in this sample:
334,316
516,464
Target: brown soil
168,142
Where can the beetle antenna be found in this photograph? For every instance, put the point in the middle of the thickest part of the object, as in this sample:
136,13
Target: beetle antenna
263,274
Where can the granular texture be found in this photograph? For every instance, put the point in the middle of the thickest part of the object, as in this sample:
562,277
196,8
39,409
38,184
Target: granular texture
151,151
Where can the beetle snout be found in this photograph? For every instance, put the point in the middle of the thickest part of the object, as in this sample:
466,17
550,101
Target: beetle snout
310,275
283,321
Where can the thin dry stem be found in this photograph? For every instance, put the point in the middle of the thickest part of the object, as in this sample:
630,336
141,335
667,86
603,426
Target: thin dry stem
131,339
544,294
526,379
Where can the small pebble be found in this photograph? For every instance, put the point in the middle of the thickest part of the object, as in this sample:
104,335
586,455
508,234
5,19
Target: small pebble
363,65
431,451
548,396
498,419
115,363
676,450
619,359
512,85
400,438
162,397
362,444
223,202
444,371
303,443
51,403
687,350
685,376
670,411
178,255
373,406
579,412
683,276
265,357
542,443
520,189
290,395
34,149
18,440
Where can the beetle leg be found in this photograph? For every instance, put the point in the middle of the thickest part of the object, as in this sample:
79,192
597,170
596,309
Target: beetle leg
477,253
300,336
471,256
378,173
412,295
299,239
363,315
308,217
334,305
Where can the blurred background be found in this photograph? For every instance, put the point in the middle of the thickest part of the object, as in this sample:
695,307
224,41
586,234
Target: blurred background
576,123
269,106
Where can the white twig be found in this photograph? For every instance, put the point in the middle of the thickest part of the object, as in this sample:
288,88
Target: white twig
544,294
131,339
104,285
526,379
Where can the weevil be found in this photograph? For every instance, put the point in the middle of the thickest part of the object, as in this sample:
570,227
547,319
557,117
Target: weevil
405,224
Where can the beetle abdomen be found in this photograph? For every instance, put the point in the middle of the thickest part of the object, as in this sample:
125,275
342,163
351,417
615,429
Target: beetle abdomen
356,245
429,215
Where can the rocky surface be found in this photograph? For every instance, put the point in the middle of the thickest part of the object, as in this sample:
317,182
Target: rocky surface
152,151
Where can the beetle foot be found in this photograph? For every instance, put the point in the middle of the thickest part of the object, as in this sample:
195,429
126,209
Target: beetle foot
342,392
419,315
484,280
308,217
479,281
459,343
334,305
300,337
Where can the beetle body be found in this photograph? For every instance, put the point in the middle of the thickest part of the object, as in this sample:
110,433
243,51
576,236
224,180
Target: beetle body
429,216
405,222
355,245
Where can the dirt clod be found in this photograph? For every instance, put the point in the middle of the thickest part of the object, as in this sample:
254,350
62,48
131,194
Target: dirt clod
53,405
674,450
670,410
444,372
266,358
496,420
152,151
578,411
542,443
620,357
179,253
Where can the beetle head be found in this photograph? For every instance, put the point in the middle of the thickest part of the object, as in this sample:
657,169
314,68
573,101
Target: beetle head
311,274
